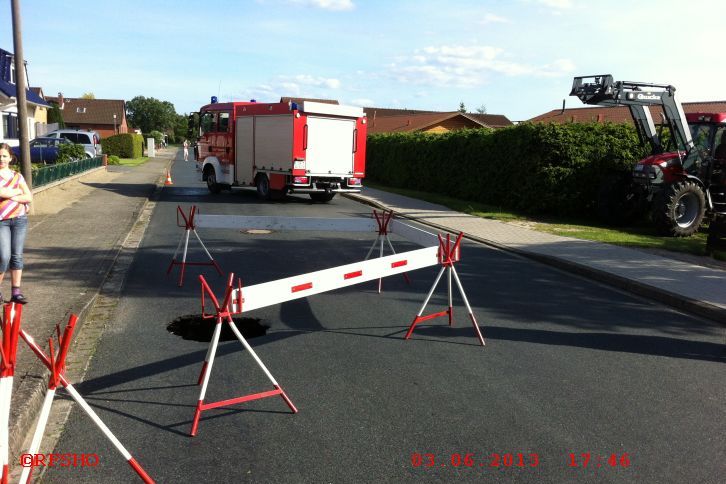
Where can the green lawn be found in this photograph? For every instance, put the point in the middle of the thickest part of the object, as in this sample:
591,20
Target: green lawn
641,235
133,161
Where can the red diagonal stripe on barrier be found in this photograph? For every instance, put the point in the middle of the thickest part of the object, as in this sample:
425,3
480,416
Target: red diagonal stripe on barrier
302,287
399,263
352,275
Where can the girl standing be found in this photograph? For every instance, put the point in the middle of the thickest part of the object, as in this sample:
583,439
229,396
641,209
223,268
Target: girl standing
14,199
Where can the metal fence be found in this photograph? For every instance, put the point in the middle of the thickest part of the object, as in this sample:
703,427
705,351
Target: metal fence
50,173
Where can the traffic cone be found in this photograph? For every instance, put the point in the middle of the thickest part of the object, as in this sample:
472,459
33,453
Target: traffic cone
168,178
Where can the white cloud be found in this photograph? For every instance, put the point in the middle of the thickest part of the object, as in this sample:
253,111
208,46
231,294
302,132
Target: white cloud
468,66
561,4
301,85
491,18
336,5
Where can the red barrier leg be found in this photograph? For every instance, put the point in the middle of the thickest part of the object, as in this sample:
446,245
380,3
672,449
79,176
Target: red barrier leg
223,313
189,228
383,221
10,325
448,255
49,363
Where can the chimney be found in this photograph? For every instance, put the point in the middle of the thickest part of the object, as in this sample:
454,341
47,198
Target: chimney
60,100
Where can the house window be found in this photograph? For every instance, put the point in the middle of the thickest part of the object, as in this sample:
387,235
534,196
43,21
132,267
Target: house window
81,110
10,126
12,71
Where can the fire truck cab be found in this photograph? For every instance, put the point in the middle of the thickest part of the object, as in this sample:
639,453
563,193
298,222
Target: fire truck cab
280,148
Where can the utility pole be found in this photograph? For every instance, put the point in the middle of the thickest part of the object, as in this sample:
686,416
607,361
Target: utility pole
21,86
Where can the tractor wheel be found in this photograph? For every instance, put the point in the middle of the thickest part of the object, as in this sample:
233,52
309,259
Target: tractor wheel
322,197
211,178
678,210
617,203
263,187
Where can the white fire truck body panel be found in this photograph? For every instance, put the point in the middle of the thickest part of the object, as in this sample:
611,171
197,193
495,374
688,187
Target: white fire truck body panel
311,107
273,142
244,151
330,146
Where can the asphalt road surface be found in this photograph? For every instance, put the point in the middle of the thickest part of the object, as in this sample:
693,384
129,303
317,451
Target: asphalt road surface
578,382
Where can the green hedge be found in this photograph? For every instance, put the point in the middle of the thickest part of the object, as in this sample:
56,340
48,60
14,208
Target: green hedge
531,168
70,152
126,145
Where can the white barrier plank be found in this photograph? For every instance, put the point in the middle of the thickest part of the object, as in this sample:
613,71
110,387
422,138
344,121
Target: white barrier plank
295,287
413,234
242,222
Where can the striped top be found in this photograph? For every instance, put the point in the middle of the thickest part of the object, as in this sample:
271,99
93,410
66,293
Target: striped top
10,208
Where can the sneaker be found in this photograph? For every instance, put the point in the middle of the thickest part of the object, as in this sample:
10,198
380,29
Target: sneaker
19,299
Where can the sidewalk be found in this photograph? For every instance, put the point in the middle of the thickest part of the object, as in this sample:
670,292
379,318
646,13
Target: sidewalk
75,235
689,287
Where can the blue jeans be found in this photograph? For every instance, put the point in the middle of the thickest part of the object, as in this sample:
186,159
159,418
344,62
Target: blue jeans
12,240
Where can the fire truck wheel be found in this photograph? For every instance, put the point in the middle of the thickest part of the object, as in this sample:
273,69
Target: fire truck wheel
211,177
678,210
322,196
263,187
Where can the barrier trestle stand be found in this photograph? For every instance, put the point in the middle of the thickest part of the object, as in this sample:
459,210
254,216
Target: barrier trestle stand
383,220
56,366
10,326
223,314
448,255
189,227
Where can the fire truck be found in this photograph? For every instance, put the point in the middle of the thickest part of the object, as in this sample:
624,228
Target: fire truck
683,181
310,147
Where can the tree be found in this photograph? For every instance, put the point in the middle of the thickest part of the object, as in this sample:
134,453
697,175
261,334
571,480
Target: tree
181,127
462,108
481,109
55,115
150,114
88,95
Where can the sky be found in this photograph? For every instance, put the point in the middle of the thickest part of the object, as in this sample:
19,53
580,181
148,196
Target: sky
510,57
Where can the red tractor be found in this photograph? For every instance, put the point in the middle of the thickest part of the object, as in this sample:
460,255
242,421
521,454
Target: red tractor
680,183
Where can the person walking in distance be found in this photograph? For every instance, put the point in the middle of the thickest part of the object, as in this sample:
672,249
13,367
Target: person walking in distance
14,199
186,150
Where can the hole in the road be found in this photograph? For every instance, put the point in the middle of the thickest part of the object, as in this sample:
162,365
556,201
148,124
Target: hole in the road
194,327
257,231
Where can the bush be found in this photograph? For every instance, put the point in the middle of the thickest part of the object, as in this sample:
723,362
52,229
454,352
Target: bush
531,168
158,137
114,160
70,152
126,145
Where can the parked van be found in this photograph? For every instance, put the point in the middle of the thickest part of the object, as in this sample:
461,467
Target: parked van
89,139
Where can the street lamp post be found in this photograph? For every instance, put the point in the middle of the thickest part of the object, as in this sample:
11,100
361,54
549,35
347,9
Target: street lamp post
114,124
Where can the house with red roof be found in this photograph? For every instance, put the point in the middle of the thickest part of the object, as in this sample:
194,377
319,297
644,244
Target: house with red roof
105,116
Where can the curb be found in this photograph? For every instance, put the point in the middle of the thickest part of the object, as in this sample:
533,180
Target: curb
34,386
676,301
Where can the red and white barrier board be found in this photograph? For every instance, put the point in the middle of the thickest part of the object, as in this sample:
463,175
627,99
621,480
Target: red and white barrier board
295,287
